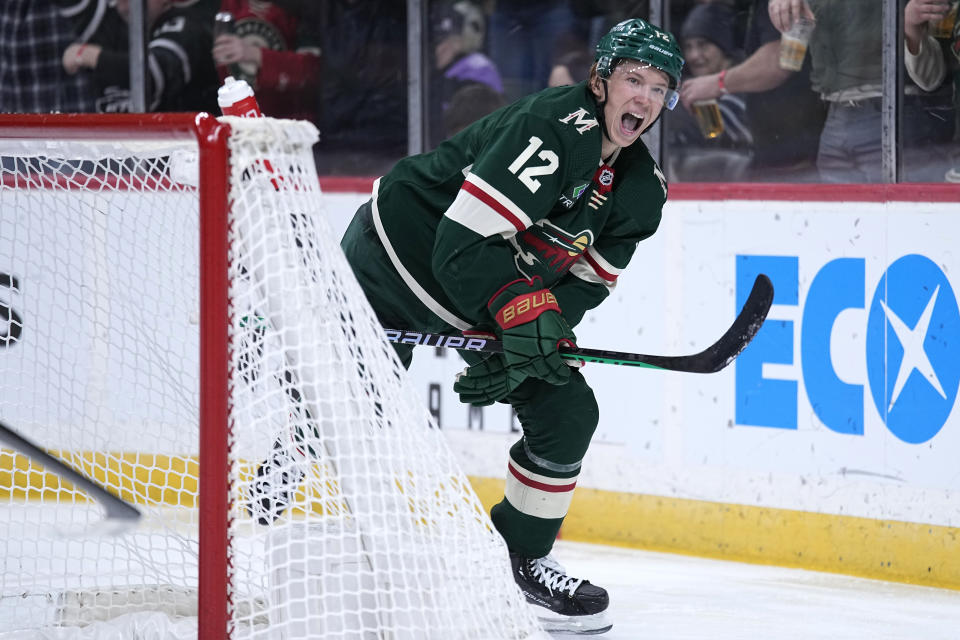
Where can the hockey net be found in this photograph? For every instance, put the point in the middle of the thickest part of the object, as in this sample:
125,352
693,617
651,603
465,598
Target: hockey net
177,322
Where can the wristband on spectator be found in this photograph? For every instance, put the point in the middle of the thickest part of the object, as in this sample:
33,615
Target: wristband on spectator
721,82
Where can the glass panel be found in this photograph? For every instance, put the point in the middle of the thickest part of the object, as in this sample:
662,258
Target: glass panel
340,64
822,122
361,107
932,84
484,54
463,83
355,91
756,122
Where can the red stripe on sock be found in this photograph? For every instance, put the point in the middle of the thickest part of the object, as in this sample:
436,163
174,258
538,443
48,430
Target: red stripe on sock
550,488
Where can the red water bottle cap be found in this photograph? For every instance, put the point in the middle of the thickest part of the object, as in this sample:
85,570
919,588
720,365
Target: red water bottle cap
236,98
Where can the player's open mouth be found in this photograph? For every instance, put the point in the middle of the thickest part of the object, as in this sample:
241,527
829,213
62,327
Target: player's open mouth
630,123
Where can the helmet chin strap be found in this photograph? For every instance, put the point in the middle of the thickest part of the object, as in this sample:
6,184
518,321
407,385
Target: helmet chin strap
601,110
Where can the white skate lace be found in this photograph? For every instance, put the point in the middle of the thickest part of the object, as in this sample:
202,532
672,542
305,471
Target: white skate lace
553,576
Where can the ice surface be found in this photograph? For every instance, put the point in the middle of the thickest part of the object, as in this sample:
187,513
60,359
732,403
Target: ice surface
660,596
656,596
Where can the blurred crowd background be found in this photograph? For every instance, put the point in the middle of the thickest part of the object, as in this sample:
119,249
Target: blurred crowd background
346,66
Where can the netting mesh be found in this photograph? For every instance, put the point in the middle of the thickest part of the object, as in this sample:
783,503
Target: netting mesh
348,515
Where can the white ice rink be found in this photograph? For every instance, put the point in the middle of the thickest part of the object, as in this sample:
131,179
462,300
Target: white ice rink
660,596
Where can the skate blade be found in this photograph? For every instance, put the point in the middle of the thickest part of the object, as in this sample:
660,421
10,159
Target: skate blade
576,625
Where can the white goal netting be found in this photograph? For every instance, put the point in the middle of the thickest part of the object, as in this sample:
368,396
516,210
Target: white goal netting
343,512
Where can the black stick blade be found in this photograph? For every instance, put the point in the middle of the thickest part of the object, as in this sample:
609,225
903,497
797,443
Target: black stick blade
732,343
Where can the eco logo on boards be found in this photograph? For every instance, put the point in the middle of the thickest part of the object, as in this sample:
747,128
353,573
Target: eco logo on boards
912,347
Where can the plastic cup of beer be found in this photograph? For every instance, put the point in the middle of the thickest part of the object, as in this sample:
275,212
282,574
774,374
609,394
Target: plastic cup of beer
943,28
793,44
708,117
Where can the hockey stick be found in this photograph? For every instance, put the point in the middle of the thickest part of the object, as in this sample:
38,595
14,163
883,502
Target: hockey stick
710,360
118,510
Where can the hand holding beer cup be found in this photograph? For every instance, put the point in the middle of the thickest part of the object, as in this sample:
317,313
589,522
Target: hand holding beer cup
922,17
942,27
783,13
793,43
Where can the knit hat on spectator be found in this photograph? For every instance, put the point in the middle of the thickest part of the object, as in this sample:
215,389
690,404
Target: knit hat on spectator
463,19
714,22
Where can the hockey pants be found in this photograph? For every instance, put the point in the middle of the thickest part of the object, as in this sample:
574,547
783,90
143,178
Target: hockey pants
557,421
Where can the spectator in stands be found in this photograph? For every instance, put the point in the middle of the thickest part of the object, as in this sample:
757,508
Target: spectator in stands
928,63
594,18
570,68
34,36
274,53
707,38
470,103
457,31
362,108
524,39
180,73
846,51
785,115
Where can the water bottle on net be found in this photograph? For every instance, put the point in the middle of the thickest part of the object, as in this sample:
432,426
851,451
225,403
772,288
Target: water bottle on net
236,98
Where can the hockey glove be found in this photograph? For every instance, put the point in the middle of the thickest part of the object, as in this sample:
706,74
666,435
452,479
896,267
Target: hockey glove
532,330
487,382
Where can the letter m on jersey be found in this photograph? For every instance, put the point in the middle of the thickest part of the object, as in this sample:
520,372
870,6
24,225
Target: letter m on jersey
580,120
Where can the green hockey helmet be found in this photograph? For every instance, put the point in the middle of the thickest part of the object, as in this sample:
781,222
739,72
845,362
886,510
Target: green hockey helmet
637,39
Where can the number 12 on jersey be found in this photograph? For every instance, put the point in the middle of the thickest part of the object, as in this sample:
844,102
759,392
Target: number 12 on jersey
552,162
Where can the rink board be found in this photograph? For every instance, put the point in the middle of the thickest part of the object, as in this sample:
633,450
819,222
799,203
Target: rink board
827,444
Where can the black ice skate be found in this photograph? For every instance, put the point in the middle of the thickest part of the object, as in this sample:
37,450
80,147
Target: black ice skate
277,478
564,604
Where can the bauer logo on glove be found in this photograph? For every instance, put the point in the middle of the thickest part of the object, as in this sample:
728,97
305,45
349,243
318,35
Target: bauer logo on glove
525,308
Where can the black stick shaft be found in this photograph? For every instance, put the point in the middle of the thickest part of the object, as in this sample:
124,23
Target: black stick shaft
116,508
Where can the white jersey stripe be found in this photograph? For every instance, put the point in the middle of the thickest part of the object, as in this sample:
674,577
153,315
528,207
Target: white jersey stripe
477,216
428,301
583,270
494,194
591,267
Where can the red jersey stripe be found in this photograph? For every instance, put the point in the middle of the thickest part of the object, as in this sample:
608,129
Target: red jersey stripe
606,275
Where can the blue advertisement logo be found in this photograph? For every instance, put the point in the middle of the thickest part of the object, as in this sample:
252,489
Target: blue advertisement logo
912,347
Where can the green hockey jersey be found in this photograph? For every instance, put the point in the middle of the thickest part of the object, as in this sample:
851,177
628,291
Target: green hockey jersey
520,193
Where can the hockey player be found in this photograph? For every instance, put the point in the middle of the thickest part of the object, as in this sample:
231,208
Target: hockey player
517,226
